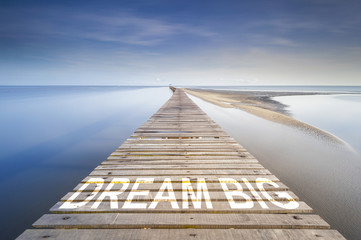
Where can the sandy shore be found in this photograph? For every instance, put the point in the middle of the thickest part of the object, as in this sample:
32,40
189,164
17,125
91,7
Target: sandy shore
262,105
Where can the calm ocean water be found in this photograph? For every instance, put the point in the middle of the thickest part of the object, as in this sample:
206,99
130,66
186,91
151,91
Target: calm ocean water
52,137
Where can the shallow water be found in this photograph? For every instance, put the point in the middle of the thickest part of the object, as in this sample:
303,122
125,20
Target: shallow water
324,175
53,137
338,114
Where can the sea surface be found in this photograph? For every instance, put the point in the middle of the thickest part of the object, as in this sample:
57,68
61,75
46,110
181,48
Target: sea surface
325,175
53,137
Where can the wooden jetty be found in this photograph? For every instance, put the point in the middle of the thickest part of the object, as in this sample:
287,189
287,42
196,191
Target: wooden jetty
180,176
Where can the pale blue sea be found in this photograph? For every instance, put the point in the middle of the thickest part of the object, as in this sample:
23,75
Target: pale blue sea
53,137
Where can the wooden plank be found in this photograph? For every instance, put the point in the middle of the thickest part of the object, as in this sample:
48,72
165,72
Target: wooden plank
217,141
180,166
178,157
177,162
184,141
191,127
178,150
177,186
165,207
178,135
215,196
204,129
178,178
181,145
197,142
148,220
159,234
180,153
146,172
164,147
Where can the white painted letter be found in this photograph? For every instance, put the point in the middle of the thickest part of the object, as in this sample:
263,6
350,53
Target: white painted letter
292,204
167,184
187,189
114,194
239,192
69,205
135,192
255,194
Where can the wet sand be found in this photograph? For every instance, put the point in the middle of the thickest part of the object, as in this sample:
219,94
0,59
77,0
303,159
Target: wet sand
261,104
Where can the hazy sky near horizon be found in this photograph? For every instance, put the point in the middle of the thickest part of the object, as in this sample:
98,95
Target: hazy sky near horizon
180,42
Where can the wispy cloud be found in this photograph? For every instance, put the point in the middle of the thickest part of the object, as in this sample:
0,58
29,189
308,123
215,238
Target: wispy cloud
131,29
286,25
271,39
121,27
283,42
308,25
273,42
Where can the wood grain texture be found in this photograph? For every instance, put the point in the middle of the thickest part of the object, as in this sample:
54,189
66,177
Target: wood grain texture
192,234
180,220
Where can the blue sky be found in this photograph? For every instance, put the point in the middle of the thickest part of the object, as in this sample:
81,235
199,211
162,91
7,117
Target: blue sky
180,42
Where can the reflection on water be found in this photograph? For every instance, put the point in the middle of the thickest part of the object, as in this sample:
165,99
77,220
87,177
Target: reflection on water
52,137
324,176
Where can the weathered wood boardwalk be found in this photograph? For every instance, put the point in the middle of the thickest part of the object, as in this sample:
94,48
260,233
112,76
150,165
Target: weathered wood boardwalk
180,176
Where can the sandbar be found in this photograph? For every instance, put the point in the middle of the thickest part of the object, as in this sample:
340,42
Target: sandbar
261,104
